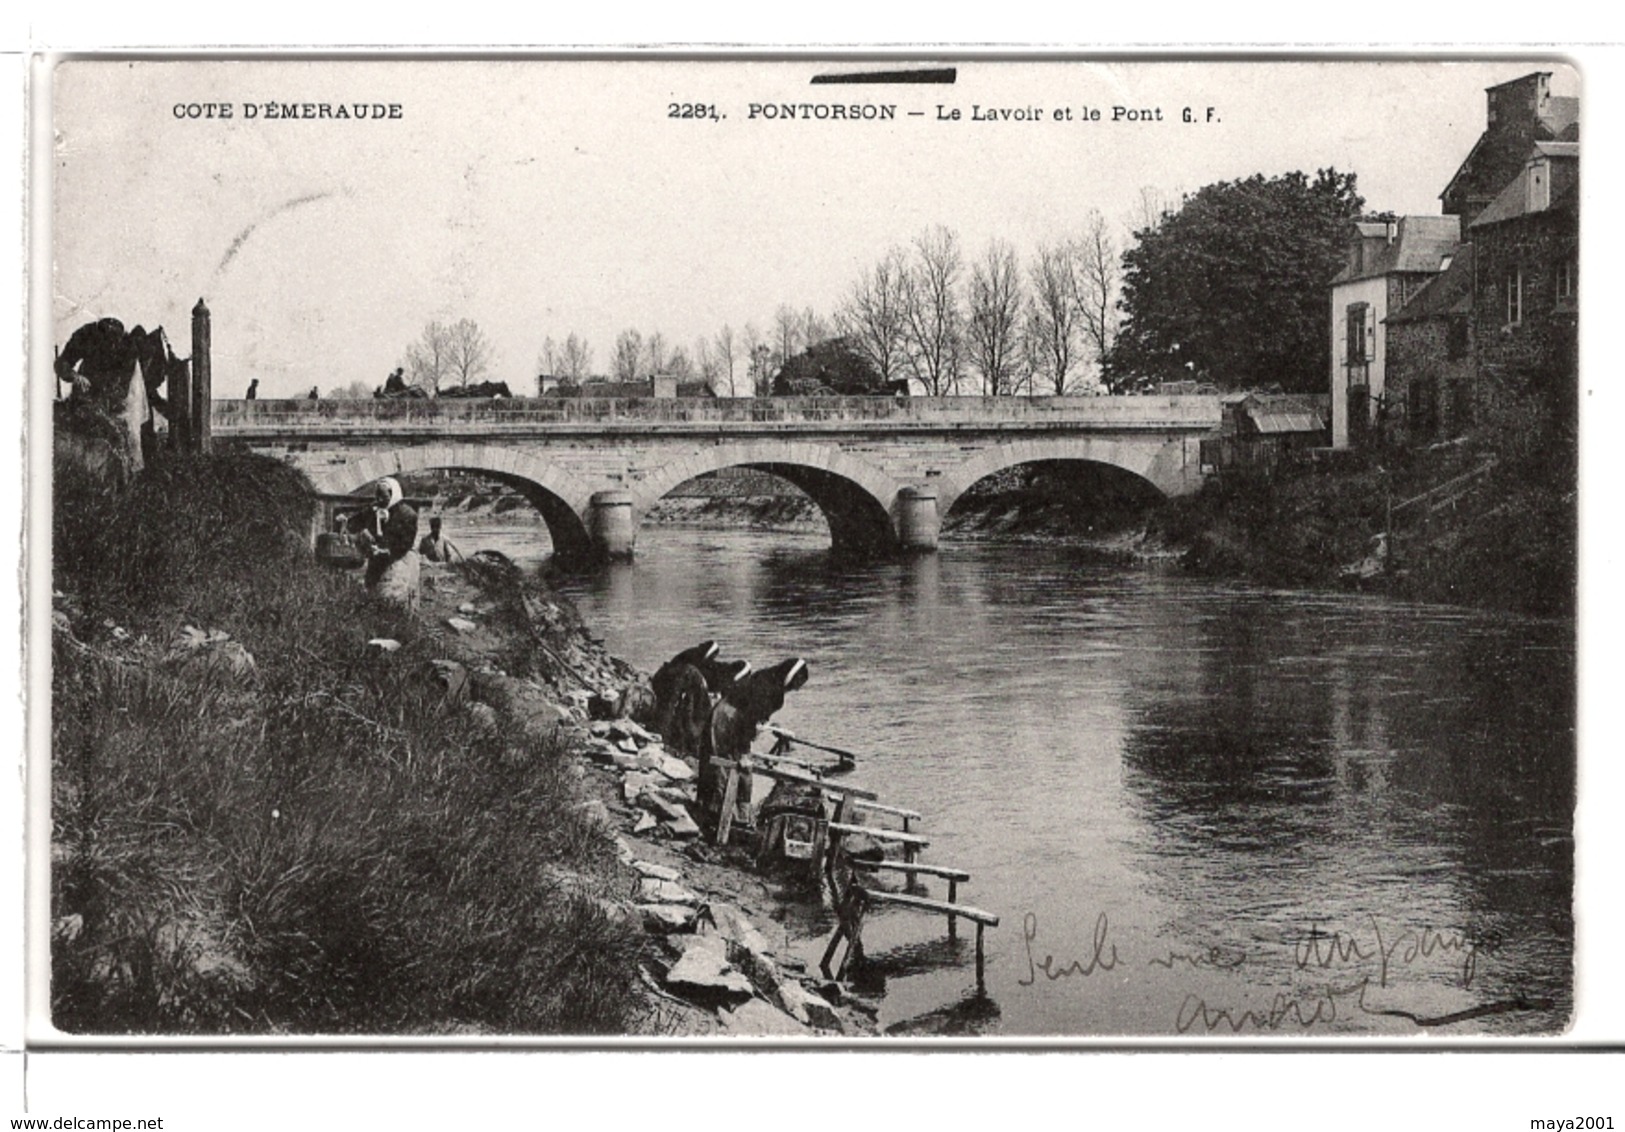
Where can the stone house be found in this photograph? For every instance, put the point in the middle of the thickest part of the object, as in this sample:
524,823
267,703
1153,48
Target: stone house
1430,355
1497,309
1517,115
1526,302
1387,264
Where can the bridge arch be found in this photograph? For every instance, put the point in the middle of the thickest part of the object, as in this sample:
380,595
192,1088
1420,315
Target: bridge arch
562,499
856,497
1169,468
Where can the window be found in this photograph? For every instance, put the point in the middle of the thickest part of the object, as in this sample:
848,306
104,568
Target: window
1566,272
1354,350
1455,338
1540,186
1514,284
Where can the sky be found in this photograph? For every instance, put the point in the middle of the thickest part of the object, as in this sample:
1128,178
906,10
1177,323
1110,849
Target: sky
541,198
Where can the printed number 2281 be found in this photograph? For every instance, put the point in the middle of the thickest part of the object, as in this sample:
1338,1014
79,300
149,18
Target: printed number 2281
692,110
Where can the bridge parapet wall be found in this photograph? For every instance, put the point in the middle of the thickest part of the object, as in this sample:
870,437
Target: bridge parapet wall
520,414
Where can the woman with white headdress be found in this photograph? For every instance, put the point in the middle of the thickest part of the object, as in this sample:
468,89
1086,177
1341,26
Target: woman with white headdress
389,531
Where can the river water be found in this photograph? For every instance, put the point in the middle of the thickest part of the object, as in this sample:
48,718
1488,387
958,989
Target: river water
1197,807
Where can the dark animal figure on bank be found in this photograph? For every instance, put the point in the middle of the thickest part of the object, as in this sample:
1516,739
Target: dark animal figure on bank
481,389
100,359
748,704
682,697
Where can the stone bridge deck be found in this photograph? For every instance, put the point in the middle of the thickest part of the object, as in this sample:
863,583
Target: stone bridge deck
882,469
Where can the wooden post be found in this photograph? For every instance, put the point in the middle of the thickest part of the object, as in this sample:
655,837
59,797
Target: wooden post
180,408
202,394
730,796
979,981
953,920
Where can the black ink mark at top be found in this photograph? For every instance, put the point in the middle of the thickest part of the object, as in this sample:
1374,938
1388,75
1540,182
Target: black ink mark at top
1099,959
242,237
935,75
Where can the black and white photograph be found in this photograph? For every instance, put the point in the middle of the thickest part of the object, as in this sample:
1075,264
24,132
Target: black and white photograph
809,552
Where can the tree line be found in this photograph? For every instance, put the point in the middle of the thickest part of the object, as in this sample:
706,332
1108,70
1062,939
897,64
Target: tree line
1225,286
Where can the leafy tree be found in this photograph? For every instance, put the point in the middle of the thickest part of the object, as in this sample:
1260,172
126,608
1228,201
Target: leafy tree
1231,288
833,366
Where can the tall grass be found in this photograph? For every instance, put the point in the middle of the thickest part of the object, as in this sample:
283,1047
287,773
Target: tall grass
325,846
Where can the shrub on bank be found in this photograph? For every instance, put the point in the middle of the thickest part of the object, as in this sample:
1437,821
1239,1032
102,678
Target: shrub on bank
324,844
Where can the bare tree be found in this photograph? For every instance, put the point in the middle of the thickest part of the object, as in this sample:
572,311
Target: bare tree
931,311
548,363
872,316
814,328
1098,280
575,360
628,355
726,349
355,391
758,356
428,360
678,364
1053,315
787,331
470,351
1150,205
706,363
658,352
994,322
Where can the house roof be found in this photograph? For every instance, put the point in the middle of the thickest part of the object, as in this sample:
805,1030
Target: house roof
1279,413
1513,201
1419,245
1450,292
1558,117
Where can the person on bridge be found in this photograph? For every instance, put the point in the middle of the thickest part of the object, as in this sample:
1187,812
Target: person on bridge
253,390
436,547
388,532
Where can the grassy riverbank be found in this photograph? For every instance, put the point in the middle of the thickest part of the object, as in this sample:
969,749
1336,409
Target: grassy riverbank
265,824
1507,541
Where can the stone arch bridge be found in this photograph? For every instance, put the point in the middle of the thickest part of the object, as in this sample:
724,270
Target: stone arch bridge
882,470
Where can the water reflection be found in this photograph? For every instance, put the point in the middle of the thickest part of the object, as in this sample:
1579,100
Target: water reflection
1221,770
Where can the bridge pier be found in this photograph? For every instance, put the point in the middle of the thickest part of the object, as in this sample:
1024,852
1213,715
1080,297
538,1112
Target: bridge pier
613,532
917,518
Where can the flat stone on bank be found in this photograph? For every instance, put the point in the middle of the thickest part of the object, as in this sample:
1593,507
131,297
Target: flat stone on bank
664,918
682,827
653,891
704,968
658,872
757,1019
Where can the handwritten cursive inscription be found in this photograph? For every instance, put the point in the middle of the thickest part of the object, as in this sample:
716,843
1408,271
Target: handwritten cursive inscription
1320,949
1102,957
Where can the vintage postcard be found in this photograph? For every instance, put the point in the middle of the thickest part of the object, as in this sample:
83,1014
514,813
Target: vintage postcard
808,550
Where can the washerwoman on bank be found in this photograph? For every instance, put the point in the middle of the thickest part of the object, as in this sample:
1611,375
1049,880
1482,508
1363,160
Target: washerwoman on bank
388,532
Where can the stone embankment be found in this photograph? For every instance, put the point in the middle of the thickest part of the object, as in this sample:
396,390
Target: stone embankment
717,971
714,965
